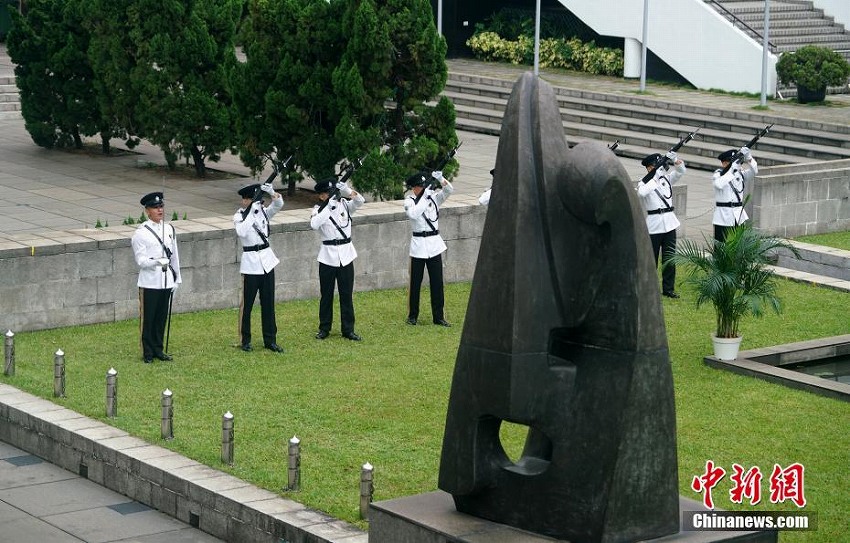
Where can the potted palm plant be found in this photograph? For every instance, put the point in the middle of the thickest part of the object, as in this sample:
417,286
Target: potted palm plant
812,68
733,275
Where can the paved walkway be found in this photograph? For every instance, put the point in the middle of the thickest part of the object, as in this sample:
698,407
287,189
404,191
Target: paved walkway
43,503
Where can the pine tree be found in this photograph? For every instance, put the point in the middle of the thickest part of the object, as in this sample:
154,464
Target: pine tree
48,46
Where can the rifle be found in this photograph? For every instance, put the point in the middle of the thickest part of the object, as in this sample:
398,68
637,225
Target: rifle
662,162
737,156
277,167
442,164
345,175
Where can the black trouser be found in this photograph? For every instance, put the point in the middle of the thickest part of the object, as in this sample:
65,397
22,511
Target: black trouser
343,277
153,316
720,232
265,285
435,276
666,245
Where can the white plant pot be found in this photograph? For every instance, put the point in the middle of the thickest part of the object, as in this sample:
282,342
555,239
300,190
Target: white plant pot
726,348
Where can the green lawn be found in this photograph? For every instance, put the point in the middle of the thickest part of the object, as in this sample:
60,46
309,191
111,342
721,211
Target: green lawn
383,400
838,240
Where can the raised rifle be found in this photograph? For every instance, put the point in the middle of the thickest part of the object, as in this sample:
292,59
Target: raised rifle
738,155
442,164
344,175
277,167
662,162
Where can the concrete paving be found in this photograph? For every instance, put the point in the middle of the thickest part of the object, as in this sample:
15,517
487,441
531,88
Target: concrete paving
43,503
48,195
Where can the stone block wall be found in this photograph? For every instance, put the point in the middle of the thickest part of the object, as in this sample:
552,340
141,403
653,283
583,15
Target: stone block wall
91,277
802,199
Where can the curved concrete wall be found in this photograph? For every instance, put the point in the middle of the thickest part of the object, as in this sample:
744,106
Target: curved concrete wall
690,36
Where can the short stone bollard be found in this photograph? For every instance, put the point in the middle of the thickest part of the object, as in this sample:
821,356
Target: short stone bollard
112,393
167,422
9,364
366,489
59,374
227,438
294,471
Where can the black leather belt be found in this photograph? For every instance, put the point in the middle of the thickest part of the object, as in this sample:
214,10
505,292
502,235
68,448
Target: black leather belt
425,234
660,211
336,241
729,204
254,248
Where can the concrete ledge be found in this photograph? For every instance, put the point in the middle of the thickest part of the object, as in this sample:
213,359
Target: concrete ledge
216,502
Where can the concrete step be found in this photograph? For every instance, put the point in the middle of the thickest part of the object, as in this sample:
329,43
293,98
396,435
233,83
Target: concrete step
837,41
9,115
713,129
10,106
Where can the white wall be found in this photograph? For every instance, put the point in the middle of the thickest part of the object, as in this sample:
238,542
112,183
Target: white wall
837,9
690,36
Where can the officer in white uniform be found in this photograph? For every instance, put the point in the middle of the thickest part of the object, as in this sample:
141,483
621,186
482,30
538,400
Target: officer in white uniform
661,221
332,218
258,262
729,190
155,249
426,245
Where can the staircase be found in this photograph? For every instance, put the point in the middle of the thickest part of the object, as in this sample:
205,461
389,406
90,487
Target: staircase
793,24
10,100
645,125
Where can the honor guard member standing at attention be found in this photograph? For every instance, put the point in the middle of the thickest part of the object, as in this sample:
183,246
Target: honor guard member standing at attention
332,218
426,245
729,190
155,248
258,262
657,198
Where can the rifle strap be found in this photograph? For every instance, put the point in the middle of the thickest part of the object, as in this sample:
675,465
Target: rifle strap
430,224
165,249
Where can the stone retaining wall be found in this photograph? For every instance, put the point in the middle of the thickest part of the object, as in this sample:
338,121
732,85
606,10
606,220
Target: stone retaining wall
89,276
802,199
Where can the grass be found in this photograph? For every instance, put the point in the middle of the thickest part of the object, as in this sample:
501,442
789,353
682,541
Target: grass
383,400
837,240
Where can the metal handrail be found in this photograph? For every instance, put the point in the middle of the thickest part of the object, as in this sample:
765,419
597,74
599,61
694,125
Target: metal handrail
736,20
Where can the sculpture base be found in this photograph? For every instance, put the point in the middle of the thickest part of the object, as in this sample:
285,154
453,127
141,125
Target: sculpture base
432,518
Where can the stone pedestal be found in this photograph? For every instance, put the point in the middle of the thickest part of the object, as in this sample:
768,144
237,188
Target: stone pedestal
432,518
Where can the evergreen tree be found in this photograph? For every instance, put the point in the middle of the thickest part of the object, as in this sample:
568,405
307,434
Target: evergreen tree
113,56
182,48
400,58
48,47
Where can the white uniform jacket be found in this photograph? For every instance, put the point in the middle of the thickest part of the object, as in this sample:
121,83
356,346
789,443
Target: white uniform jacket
339,212
428,208
656,195
263,260
148,250
729,188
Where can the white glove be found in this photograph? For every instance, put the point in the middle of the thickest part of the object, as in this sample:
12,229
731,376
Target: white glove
268,189
437,174
162,261
745,153
344,189
175,287
672,156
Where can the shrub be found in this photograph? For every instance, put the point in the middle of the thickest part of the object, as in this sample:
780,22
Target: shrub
813,67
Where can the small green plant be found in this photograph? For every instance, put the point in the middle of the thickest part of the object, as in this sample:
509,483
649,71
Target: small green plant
106,223
129,220
98,224
733,275
174,216
812,68
185,216
142,218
